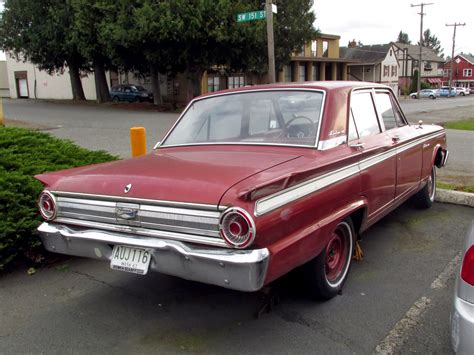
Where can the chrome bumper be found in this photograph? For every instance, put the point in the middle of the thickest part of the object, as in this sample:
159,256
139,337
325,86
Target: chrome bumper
242,270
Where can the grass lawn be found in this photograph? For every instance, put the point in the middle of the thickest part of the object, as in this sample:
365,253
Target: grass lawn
446,186
466,125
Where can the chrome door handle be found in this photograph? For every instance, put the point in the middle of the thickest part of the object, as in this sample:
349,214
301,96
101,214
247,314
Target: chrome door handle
356,145
395,139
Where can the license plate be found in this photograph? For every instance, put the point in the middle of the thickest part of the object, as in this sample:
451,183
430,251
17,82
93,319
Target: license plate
129,259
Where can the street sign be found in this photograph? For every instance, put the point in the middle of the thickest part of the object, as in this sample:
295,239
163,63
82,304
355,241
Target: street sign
251,16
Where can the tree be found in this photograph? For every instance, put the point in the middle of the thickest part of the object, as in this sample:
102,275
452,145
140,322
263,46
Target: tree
40,32
150,47
431,41
293,28
403,38
85,32
211,36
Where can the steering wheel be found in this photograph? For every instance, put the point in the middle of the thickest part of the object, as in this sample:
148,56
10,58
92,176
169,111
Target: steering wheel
298,132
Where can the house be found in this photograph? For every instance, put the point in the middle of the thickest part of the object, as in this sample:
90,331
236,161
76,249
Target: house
316,60
408,56
463,71
375,63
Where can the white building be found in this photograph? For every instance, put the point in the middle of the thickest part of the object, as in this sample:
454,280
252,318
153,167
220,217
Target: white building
27,81
375,63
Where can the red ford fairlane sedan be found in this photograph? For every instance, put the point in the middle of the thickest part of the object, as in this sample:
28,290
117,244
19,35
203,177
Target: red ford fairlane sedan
250,184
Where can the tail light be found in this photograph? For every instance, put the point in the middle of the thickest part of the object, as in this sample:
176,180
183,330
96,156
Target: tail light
467,268
47,205
237,228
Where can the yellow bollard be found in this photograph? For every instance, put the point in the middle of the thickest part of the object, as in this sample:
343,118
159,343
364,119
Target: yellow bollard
2,119
138,141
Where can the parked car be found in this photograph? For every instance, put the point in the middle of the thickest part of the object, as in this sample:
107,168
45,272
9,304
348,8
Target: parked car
425,93
250,184
462,316
444,91
131,93
463,91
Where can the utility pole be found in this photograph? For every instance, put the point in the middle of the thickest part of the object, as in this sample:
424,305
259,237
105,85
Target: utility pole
456,24
271,44
418,83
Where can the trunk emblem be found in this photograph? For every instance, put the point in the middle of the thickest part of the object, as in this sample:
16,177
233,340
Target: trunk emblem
126,213
127,188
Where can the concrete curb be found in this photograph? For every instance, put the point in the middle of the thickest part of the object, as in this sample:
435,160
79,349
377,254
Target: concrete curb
455,197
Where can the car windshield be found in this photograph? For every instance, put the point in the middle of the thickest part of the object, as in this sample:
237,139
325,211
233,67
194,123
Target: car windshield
280,117
140,88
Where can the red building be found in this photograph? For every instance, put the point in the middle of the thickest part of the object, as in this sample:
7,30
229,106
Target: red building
463,71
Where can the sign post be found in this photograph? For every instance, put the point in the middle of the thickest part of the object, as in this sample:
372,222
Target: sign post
262,15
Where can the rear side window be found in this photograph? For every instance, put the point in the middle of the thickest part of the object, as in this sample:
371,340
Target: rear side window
389,114
363,111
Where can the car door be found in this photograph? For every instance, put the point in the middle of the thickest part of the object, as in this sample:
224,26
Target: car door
377,162
404,140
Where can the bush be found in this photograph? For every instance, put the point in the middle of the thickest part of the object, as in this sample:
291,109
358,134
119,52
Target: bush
25,153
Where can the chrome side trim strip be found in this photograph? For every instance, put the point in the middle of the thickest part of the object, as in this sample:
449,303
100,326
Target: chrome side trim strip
186,205
278,199
191,238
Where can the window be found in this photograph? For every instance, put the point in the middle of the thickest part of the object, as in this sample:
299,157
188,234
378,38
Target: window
302,72
390,116
325,49
386,70
313,48
273,117
467,72
213,83
446,72
301,52
394,70
352,134
262,117
288,73
236,81
364,114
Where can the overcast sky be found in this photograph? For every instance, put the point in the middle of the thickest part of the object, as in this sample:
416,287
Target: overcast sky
380,21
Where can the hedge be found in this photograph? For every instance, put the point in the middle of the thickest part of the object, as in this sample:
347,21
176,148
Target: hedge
23,154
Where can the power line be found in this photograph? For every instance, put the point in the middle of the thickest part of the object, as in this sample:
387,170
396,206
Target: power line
423,4
456,24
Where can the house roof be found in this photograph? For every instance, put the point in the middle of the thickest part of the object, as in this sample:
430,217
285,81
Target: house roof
469,58
414,52
369,54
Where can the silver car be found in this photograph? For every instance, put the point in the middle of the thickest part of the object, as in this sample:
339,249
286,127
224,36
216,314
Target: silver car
426,93
462,317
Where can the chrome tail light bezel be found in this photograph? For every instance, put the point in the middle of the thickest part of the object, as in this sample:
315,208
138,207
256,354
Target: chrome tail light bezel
46,214
227,235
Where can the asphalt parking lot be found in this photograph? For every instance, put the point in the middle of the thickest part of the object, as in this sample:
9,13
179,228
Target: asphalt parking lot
80,306
396,300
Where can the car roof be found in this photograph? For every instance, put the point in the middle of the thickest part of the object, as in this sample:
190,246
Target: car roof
321,85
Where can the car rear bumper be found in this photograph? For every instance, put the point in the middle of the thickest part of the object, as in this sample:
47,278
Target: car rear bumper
242,270
462,326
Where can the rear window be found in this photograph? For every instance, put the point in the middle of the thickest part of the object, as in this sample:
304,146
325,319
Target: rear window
279,117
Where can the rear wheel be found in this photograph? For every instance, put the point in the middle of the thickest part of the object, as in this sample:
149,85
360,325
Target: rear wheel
325,275
115,99
432,97
426,196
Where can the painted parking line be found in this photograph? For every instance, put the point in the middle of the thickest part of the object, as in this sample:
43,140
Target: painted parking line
400,332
